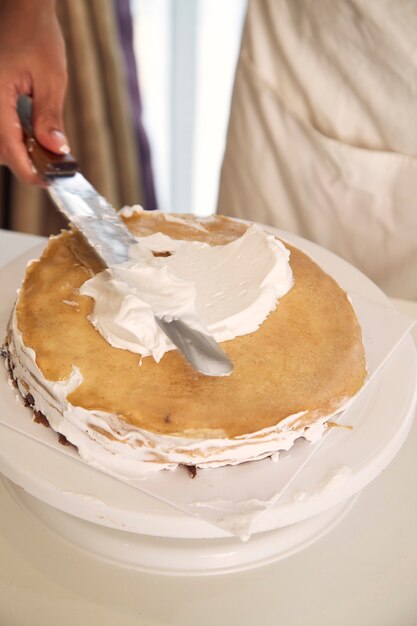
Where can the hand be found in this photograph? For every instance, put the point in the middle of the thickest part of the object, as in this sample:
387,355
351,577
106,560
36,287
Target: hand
32,62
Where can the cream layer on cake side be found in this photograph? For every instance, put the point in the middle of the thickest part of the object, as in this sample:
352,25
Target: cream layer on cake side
302,365
132,452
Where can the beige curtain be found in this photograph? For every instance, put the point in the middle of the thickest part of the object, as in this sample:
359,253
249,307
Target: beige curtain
98,121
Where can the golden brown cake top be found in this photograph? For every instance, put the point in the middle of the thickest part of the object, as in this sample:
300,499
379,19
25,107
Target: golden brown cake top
307,355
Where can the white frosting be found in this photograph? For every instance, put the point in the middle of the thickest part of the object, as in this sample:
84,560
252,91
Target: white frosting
129,211
336,477
226,290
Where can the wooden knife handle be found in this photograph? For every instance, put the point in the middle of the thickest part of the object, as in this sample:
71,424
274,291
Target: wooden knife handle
47,163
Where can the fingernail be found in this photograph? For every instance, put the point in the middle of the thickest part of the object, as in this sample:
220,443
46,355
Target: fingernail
60,137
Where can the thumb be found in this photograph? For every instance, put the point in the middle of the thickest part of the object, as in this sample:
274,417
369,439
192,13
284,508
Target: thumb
48,123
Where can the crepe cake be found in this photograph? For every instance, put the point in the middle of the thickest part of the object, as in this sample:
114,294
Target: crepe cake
130,415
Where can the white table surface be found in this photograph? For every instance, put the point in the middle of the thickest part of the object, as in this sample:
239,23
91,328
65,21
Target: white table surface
363,573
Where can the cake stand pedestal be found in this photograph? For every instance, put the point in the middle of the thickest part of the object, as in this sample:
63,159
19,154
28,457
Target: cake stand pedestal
169,556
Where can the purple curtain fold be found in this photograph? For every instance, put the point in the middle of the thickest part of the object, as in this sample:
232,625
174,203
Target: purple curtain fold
125,28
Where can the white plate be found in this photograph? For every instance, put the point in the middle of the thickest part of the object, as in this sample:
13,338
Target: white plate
383,416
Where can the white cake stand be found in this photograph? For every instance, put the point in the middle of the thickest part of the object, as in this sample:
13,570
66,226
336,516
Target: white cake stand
120,524
169,556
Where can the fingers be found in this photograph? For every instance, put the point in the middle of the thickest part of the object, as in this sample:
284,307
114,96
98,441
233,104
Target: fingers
13,151
47,109
47,105
32,61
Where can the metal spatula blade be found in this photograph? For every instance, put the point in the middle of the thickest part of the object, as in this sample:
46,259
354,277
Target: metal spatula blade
96,219
198,348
